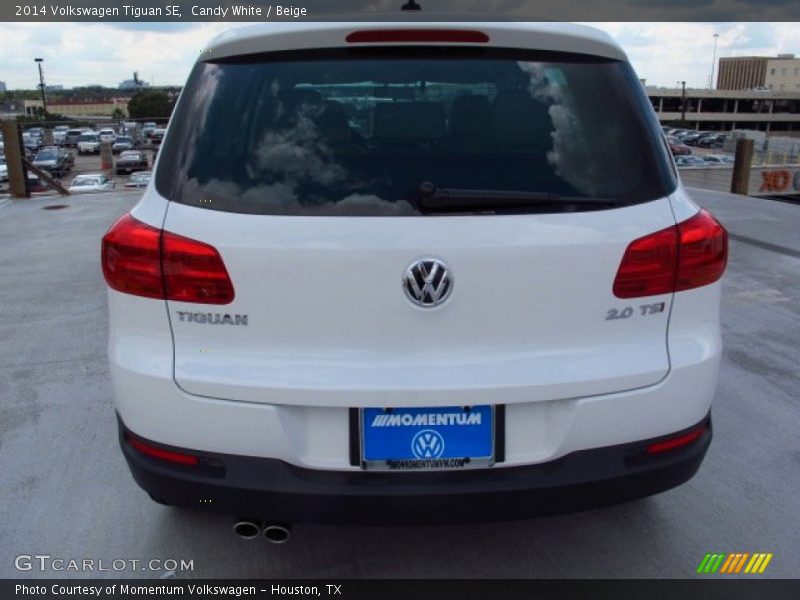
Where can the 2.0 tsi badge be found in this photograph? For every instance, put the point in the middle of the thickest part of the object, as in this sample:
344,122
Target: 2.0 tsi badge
428,282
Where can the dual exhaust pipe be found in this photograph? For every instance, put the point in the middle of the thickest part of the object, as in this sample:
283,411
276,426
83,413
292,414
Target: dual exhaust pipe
275,533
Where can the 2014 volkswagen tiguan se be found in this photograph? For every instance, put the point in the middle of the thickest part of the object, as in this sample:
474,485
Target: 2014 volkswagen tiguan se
410,272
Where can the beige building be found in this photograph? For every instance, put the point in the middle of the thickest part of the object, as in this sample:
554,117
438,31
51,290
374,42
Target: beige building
783,74
80,108
742,72
759,72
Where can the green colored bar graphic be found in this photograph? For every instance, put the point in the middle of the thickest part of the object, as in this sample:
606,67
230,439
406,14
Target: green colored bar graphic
710,563
703,563
712,567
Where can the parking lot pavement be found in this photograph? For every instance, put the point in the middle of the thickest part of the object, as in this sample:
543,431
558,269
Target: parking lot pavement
66,490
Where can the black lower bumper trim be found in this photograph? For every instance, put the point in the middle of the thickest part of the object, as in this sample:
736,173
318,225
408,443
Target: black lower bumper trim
277,491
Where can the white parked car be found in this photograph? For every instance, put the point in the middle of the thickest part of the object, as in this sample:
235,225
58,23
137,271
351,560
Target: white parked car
107,135
139,179
89,143
482,293
91,182
3,169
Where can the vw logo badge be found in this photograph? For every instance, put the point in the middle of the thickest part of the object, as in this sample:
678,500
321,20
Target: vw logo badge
428,282
427,444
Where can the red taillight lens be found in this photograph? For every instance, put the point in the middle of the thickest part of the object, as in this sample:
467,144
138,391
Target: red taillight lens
144,261
452,36
648,267
676,442
131,258
703,252
194,271
692,254
161,454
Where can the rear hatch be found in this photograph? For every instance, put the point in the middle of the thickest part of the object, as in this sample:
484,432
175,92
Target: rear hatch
322,177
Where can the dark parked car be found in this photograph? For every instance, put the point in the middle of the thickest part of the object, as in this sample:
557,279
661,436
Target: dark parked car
54,160
692,138
131,161
714,140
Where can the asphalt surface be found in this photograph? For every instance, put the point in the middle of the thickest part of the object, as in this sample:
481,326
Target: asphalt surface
66,491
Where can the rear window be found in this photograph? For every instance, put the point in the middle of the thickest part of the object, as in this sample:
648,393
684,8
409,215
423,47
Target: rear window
381,132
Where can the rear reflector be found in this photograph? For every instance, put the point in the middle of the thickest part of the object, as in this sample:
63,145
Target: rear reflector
161,454
676,442
456,36
142,260
690,255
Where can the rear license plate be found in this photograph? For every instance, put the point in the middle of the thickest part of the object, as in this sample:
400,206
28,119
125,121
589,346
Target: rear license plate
452,437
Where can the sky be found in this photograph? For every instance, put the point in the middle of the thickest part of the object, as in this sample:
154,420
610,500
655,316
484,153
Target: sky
78,54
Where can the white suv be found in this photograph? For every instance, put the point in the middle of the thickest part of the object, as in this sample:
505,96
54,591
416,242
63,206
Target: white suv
411,272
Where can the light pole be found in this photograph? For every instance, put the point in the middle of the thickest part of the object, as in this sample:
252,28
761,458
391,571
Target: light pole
713,63
683,103
39,61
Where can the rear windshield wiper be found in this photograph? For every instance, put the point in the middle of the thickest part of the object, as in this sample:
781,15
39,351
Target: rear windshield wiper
433,199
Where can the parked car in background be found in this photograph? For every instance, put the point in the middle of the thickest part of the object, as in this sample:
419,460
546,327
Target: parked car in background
107,135
71,137
131,161
138,180
718,159
3,169
690,160
122,143
677,147
54,160
59,134
712,140
692,138
35,184
158,135
31,142
91,182
148,129
35,132
89,143
678,133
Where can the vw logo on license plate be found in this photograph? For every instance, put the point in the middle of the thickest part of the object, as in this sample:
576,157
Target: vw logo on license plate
427,444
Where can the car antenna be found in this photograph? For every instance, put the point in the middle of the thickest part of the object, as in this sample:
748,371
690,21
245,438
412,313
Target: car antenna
411,5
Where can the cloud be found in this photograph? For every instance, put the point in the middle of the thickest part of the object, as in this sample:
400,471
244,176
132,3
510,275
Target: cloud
106,53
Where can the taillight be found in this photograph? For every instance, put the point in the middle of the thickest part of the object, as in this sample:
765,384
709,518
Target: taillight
648,267
144,261
194,271
703,252
132,259
682,257
450,36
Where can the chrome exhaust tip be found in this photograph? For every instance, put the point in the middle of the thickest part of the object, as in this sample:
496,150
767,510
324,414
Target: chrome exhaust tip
277,533
247,529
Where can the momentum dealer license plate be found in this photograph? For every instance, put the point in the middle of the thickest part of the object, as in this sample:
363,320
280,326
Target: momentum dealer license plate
452,437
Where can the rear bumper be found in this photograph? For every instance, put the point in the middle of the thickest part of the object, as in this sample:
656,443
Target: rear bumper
277,491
